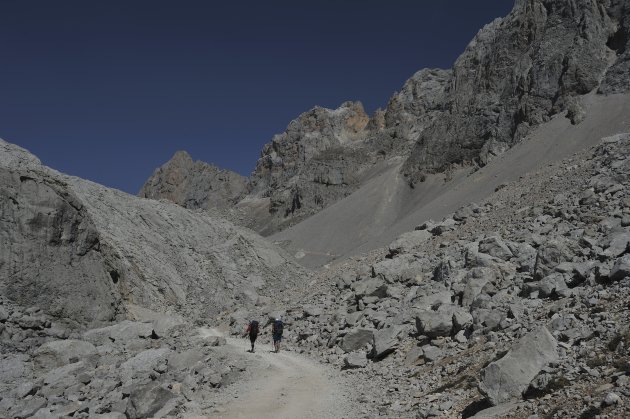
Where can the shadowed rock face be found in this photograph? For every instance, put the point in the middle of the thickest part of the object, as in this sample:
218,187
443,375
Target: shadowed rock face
81,251
194,184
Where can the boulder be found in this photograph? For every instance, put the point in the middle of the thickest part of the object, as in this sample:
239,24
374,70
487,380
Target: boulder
433,301
145,401
549,255
385,341
407,241
312,311
122,332
61,352
432,353
355,360
621,268
551,284
434,323
461,319
474,282
414,356
507,378
144,362
372,287
4,315
495,246
357,339
616,243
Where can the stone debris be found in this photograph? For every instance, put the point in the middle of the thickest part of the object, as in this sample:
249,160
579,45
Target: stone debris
517,306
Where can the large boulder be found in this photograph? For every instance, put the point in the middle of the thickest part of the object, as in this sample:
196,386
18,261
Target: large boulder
385,341
357,339
61,352
621,268
122,332
355,360
507,378
407,241
434,323
550,255
495,246
371,287
144,363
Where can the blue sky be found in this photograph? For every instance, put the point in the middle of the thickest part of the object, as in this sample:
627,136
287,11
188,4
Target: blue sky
109,90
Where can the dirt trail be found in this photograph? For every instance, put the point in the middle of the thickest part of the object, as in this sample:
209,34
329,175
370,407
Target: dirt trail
283,385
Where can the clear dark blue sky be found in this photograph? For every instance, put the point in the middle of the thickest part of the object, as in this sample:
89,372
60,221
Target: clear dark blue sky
109,90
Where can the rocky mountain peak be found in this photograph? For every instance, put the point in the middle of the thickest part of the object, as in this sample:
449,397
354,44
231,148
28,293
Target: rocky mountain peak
516,73
194,184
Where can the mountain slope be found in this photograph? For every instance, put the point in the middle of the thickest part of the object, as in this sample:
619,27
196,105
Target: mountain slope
385,207
519,71
82,251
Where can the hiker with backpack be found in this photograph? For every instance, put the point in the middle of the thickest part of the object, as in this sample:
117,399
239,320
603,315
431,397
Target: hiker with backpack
252,331
277,328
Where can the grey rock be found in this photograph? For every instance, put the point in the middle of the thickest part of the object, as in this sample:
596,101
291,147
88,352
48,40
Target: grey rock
124,331
15,366
4,315
61,352
144,363
433,301
371,287
550,284
550,255
407,241
531,53
461,319
611,398
31,407
616,243
183,361
414,356
432,353
146,401
103,243
507,378
357,339
621,268
311,310
355,360
65,376
434,323
496,247
385,341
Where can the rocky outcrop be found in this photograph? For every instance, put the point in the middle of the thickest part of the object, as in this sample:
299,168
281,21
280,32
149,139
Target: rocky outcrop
315,162
509,377
194,184
516,73
81,251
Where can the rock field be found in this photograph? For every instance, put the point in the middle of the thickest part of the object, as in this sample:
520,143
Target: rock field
515,305
520,302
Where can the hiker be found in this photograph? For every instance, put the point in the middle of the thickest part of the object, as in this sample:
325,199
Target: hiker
276,330
252,331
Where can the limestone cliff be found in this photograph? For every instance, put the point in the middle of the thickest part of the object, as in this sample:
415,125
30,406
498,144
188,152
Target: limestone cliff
82,251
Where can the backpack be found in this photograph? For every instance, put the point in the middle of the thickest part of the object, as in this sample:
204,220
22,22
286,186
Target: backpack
278,327
253,327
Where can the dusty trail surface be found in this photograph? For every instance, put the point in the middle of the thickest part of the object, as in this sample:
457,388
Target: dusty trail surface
283,385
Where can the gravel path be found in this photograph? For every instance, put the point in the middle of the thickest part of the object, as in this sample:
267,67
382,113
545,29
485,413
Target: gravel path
284,385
